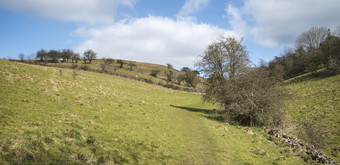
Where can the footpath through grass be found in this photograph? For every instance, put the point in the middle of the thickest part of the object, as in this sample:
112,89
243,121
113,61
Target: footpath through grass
47,117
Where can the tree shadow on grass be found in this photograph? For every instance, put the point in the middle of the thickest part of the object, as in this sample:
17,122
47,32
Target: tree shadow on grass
207,113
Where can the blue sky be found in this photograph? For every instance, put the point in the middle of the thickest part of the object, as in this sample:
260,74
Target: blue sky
158,31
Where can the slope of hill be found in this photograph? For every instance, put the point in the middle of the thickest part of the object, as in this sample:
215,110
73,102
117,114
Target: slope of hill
140,69
315,110
47,116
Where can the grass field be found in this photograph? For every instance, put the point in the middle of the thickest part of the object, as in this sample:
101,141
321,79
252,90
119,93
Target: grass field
316,104
47,116
141,69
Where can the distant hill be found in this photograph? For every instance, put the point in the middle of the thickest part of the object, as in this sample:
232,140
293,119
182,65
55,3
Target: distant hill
53,115
135,70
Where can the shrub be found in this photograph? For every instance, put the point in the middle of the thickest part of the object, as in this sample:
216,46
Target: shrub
334,65
190,77
131,65
121,63
170,75
75,74
316,133
154,73
74,66
85,67
254,99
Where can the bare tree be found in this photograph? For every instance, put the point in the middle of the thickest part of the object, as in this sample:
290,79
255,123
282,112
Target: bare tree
54,55
170,75
179,78
42,55
312,38
131,65
185,69
107,62
223,60
90,55
249,95
191,78
154,73
66,54
21,56
75,57
84,59
170,66
121,63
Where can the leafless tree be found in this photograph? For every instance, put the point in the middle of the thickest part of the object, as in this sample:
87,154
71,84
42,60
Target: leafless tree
121,63
170,66
107,62
90,55
66,54
75,57
223,60
312,38
21,56
131,65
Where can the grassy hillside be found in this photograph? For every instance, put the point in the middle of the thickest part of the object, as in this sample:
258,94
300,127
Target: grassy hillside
46,116
315,110
142,70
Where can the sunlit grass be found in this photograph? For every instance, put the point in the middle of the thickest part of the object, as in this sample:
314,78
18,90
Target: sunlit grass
316,100
48,117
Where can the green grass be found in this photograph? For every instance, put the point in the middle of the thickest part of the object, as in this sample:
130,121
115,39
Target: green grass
102,119
316,102
142,70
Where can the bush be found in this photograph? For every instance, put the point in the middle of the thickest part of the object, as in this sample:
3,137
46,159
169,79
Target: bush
154,73
74,66
191,79
121,63
85,67
254,99
334,65
170,75
316,133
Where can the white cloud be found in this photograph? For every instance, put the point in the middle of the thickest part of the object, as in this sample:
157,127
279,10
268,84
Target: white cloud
238,24
192,6
279,22
152,39
84,11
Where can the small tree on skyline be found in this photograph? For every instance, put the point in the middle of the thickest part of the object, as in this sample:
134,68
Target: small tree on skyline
66,54
21,56
42,55
121,63
90,55
75,57
170,66
107,62
131,65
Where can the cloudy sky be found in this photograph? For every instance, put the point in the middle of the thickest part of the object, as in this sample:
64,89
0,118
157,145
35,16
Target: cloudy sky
158,31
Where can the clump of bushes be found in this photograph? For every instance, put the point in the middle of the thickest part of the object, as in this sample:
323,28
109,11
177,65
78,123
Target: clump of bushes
85,67
251,96
154,73
254,99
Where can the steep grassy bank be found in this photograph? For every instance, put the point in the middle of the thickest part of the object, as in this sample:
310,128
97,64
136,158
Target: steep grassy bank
315,110
47,116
